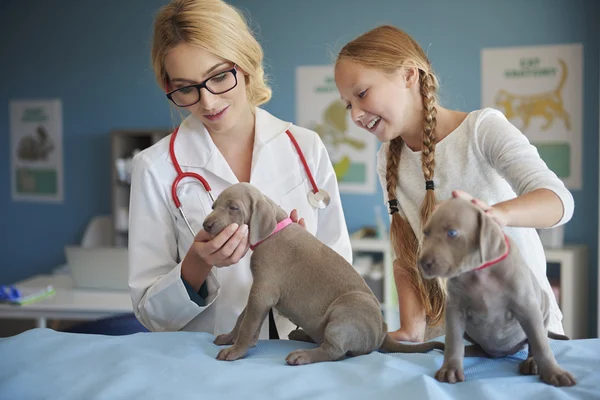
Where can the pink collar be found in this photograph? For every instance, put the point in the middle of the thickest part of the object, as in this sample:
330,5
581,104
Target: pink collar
497,260
282,224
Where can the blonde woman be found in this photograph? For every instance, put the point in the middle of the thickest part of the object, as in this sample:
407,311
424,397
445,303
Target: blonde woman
210,65
430,153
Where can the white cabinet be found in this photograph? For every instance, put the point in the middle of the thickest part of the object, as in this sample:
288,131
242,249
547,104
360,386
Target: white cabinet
380,249
123,144
573,283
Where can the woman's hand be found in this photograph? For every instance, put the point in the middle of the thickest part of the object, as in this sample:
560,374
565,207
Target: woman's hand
496,213
294,218
225,249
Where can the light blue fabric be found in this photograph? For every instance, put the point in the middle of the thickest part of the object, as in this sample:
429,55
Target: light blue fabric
44,364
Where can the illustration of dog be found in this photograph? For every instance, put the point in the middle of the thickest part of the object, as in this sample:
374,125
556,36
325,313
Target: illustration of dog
547,105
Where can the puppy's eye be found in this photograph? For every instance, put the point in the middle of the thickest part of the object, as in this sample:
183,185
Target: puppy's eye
452,233
426,233
233,207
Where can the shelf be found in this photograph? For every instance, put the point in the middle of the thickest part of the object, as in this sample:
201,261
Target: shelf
389,305
378,245
560,252
123,145
573,284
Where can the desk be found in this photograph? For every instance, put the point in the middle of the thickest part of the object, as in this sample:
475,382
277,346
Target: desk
68,303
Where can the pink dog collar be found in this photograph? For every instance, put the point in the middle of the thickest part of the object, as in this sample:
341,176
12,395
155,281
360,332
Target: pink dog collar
282,224
497,260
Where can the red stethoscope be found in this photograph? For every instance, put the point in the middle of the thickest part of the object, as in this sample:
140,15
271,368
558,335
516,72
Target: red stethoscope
317,198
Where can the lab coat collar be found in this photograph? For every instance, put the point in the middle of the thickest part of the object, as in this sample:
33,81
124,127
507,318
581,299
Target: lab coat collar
268,127
194,146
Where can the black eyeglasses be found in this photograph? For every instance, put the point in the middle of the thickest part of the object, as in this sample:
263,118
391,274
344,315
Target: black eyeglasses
216,84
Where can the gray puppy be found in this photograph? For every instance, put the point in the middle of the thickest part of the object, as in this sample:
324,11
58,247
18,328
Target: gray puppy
305,281
494,300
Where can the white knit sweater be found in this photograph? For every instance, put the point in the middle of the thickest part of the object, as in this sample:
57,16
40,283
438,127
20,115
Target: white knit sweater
492,160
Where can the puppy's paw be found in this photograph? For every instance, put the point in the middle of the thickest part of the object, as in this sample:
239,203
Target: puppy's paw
299,357
557,377
528,367
450,373
226,338
231,353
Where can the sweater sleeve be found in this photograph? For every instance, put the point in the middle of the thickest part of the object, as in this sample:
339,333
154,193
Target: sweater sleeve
517,160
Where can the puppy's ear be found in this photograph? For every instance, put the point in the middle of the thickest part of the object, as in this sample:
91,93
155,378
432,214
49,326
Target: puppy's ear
491,238
262,221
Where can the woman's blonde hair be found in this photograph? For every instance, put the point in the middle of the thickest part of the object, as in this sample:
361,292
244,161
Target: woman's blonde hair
388,48
217,27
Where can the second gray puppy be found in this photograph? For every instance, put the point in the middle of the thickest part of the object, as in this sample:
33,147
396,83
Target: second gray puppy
493,298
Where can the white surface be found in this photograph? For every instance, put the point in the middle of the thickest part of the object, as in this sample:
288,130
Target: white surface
98,267
68,303
99,232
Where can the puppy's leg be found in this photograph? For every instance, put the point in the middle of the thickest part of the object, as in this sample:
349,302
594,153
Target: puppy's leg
452,368
528,367
300,335
529,316
330,350
259,303
350,329
230,338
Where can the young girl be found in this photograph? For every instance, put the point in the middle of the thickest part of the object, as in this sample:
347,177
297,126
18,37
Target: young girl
209,64
430,153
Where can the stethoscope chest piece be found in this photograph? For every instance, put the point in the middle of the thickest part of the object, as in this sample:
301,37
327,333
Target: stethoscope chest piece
318,200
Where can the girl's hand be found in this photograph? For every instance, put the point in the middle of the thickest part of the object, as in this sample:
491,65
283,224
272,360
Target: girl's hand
496,213
294,218
225,249
406,336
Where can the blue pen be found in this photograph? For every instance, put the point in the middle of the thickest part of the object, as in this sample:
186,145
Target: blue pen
9,293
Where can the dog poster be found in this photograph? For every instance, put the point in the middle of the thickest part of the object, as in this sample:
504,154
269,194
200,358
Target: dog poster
352,150
36,150
540,91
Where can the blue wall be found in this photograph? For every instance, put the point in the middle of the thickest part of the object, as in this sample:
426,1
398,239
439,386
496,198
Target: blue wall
95,57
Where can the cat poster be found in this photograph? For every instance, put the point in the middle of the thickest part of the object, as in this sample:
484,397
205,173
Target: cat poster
540,91
36,150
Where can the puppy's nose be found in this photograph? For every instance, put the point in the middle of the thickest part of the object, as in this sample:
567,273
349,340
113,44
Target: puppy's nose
426,264
208,224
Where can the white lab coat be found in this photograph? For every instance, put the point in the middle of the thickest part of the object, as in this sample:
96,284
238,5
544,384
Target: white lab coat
159,238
